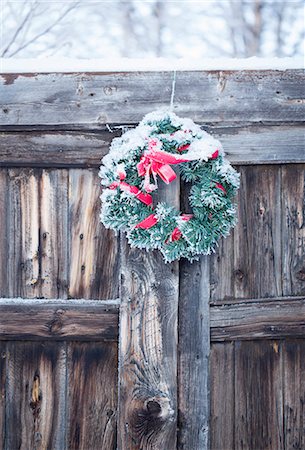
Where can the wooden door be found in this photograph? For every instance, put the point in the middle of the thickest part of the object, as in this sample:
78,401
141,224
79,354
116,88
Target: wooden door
104,347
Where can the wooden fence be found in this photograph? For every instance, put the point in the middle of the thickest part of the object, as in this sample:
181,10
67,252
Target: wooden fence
103,347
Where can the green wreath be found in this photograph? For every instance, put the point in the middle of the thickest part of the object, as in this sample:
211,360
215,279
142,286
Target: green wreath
130,175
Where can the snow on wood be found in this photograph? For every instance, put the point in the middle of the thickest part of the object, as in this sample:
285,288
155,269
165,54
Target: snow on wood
66,65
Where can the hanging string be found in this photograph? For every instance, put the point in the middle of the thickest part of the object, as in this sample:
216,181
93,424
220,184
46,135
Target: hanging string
173,91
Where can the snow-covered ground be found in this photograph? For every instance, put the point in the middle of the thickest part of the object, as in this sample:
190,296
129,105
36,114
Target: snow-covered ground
56,64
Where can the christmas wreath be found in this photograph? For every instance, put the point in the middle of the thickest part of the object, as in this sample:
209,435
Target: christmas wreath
130,174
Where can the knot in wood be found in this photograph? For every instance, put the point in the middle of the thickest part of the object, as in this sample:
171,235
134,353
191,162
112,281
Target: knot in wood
239,274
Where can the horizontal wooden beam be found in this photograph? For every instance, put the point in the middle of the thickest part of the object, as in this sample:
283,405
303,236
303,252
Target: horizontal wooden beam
243,145
95,99
58,319
271,319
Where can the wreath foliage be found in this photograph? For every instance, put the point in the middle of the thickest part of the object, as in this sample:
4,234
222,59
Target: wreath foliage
137,161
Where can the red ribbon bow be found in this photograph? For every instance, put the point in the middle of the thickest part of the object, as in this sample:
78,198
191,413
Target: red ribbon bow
157,162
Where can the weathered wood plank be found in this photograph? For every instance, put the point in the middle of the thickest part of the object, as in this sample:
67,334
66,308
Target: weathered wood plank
211,96
257,236
258,320
2,392
58,320
258,396
3,234
148,345
193,356
222,275
92,396
54,237
55,149
222,378
94,253
148,351
35,401
294,393
249,144
22,215
293,229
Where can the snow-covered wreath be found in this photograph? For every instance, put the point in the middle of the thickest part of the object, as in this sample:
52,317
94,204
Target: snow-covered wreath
130,174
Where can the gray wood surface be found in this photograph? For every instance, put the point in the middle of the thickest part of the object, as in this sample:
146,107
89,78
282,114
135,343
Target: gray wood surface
54,235
293,229
273,319
35,399
222,417
2,392
148,349
90,99
93,250
22,233
258,396
91,396
294,393
61,320
3,233
257,249
193,356
252,144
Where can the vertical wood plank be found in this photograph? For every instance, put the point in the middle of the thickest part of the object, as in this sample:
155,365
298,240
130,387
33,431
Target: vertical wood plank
94,255
3,234
23,228
222,396
222,270
148,351
294,394
148,345
193,355
35,400
258,396
2,392
293,229
257,236
54,233
92,396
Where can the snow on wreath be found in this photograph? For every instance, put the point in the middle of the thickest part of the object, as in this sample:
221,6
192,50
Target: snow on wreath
131,172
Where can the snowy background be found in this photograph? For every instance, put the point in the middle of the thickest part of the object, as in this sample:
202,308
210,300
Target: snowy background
195,30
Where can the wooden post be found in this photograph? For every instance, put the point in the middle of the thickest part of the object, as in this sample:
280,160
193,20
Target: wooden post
148,346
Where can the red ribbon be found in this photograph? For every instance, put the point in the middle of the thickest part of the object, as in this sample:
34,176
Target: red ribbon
176,234
157,162
143,197
147,223
220,186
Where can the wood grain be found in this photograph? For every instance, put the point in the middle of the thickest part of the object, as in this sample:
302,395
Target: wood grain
148,345
35,403
54,238
258,396
3,233
293,229
294,393
193,355
58,320
94,253
257,236
92,396
66,149
222,376
96,99
22,215
63,149
2,392
272,319
222,274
